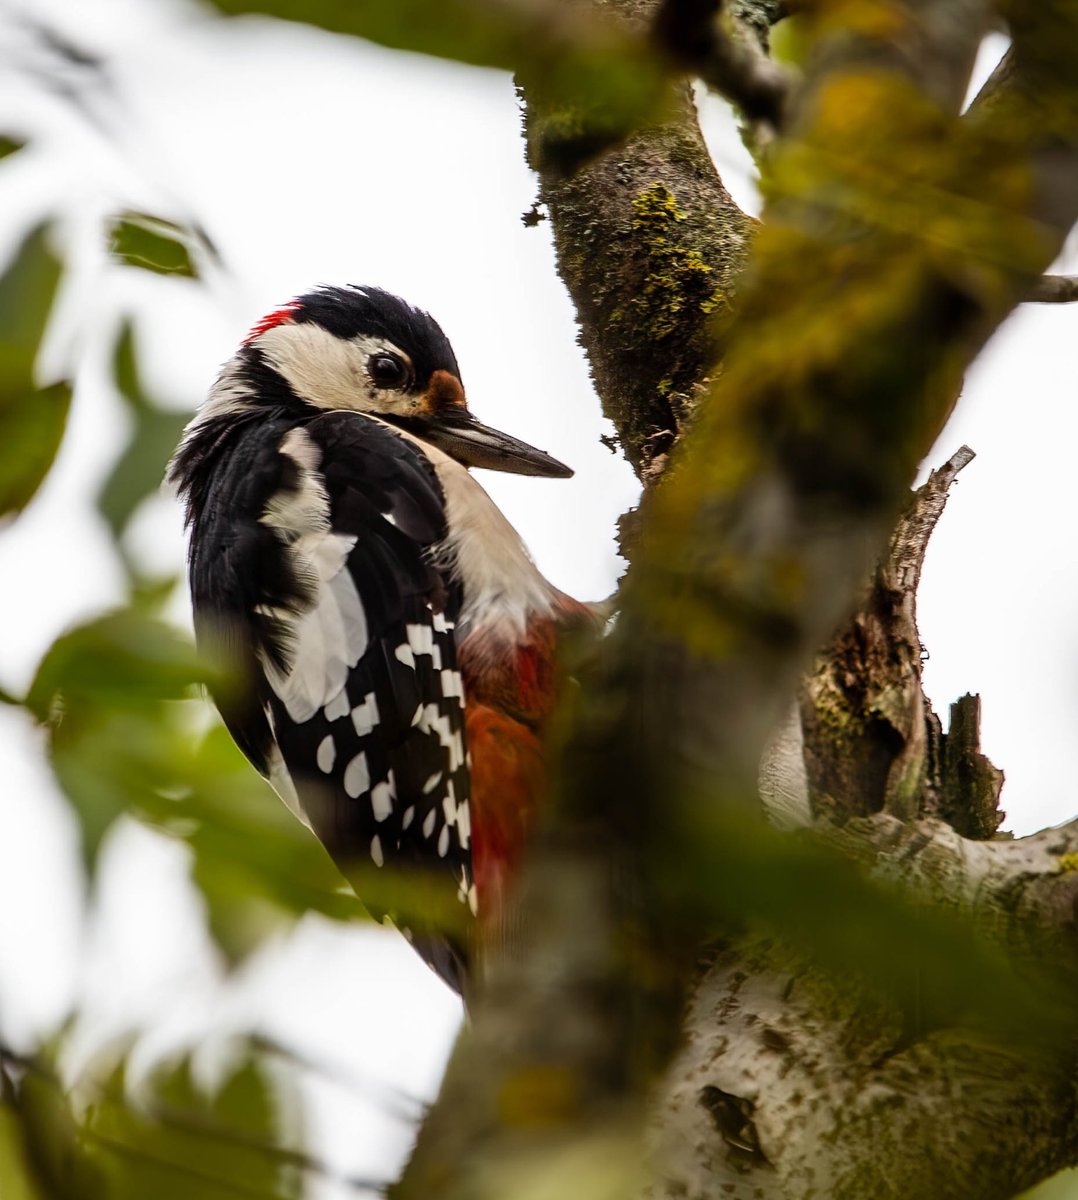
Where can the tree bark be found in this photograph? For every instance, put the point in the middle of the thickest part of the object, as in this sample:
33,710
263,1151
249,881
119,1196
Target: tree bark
793,1081
650,245
793,1085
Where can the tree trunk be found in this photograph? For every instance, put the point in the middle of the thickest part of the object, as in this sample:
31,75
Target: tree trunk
846,1034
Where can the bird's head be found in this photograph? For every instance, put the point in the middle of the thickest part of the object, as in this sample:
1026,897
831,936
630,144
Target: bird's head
363,349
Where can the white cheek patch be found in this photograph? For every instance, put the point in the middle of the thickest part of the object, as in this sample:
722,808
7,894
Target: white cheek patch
331,372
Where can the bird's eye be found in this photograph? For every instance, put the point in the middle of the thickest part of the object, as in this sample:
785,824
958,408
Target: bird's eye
387,370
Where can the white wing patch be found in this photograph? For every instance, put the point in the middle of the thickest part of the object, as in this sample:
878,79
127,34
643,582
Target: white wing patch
382,797
365,716
327,754
357,776
338,706
327,638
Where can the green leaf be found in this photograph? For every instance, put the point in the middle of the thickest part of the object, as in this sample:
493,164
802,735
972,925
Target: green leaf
126,736
109,691
8,146
489,33
32,419
141,467
110,764
178,1141
1063,1186
255,863
790,40
121,661
167,1138
602,76
17,1178
150,593
51,1138
152,244
32,423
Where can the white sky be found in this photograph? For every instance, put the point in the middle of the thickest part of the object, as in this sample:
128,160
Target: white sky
309,159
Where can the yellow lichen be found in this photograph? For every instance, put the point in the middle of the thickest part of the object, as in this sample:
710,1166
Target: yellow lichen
677,278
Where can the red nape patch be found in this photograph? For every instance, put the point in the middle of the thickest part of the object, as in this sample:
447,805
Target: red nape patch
274,318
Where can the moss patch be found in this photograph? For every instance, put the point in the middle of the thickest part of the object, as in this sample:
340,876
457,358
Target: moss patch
677,280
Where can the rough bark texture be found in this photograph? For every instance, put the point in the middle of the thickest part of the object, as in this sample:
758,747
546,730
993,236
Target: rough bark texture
871,741
845,1100
650,245
792,1083
794,1086
653,265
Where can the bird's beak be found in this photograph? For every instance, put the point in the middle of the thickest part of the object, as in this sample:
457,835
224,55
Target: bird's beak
462,437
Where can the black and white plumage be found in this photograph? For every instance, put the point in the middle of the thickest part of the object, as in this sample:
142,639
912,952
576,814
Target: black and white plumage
340,552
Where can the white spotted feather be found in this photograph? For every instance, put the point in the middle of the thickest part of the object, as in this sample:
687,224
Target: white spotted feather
327,638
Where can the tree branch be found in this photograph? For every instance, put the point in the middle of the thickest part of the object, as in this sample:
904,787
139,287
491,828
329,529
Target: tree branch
1030,116
870,740
838,1086
798,463
706,40
1053,289
650,245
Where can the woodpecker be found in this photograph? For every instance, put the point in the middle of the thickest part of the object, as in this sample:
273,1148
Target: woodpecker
392,640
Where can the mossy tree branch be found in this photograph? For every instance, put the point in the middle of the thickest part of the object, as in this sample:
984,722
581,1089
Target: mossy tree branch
870,741
897,237
1054,289
728,55
649,244
836,1084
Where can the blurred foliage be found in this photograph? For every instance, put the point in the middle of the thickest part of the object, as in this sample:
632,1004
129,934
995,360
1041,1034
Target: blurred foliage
32,419
152,243
9,145
789,41
18,1179
600,79
1063,1186
140,469
127,734
925,958
166,1136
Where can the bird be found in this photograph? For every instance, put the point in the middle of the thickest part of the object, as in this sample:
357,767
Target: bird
391,647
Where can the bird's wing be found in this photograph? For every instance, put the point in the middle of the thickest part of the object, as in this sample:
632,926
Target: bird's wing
348,628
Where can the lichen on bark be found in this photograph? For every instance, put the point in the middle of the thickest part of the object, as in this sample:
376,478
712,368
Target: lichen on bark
650,245
897,238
